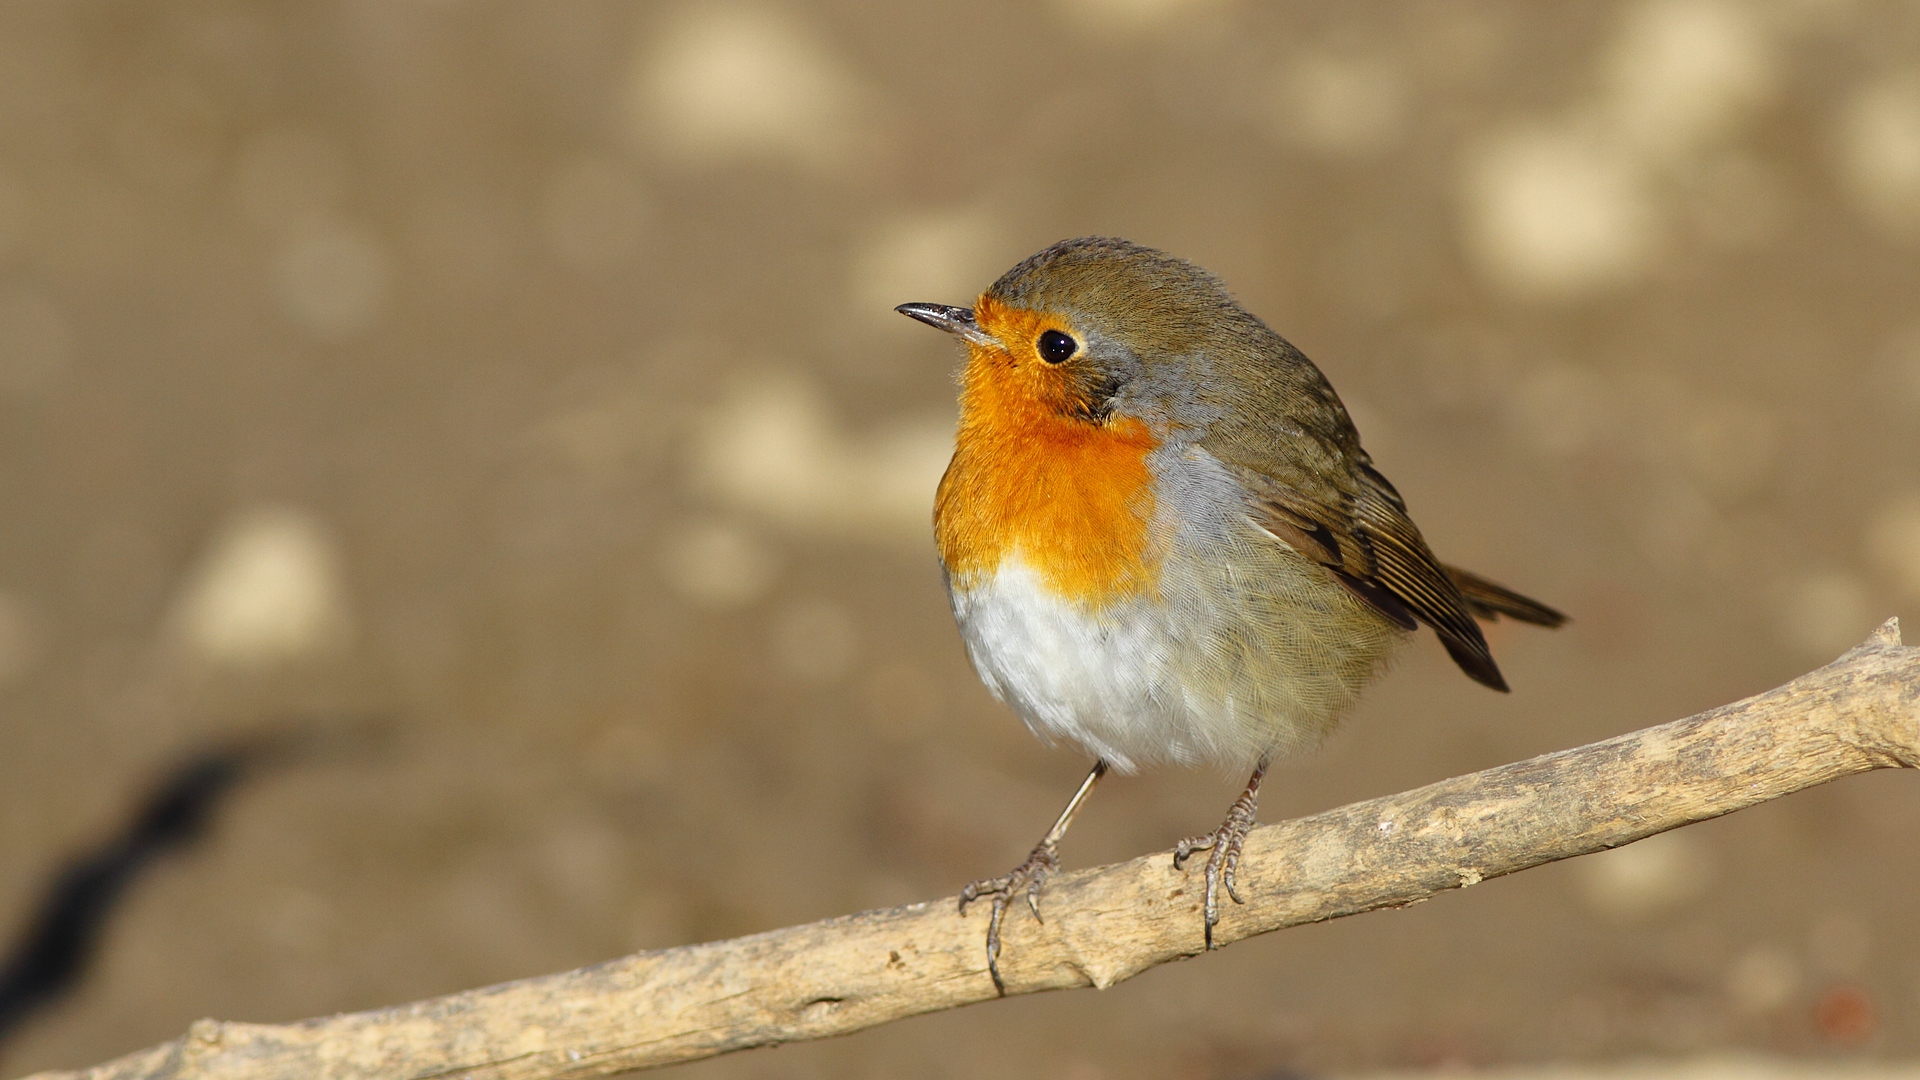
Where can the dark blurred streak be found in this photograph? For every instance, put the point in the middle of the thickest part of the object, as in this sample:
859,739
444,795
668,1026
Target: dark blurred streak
52,953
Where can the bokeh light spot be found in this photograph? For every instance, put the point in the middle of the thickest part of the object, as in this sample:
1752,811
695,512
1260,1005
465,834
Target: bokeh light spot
333,279
1340,105
730,82
1648,877
718,564
1763,979
771,448
1826,613
1893,542
1557,212
269,589
1880,152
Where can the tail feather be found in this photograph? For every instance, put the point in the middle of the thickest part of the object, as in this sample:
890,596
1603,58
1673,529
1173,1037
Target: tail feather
1490,601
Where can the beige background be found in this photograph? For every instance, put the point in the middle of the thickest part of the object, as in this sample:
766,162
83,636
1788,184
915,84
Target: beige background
524,373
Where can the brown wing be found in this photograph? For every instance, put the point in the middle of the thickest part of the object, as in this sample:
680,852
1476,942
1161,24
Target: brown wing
1366,538
1408,569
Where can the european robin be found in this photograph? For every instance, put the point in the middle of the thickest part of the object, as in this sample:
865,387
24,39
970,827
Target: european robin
1163,541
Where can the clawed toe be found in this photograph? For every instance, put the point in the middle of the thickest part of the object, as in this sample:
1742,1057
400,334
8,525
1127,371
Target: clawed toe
1231,868
1033,874
1223,861
1184,850
1223,848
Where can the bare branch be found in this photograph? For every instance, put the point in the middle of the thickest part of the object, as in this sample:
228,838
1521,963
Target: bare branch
1859,713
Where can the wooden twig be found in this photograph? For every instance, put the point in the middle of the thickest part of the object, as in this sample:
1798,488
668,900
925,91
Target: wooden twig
1859,713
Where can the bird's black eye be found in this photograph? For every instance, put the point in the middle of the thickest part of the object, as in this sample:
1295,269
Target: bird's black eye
1055,346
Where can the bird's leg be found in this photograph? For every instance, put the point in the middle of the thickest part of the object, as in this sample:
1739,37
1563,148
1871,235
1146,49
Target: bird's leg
1044,860
1225,842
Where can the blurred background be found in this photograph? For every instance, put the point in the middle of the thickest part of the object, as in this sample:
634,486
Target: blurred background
525,375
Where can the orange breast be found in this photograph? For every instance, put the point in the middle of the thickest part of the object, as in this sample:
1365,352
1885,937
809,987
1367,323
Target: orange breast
1071,498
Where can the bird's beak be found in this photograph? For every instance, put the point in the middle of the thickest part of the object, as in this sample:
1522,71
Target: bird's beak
957,321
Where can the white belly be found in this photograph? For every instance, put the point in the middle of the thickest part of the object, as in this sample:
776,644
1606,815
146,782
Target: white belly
1101,682
1246,666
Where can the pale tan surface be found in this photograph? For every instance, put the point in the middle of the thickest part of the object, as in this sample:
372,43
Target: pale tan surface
1711,1067
1102,926
610,474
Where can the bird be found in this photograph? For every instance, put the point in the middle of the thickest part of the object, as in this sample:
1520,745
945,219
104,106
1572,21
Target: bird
1163,542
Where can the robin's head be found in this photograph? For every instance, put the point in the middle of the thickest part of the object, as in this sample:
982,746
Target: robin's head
1094,328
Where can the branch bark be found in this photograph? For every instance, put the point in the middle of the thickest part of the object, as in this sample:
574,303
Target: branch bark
1859,713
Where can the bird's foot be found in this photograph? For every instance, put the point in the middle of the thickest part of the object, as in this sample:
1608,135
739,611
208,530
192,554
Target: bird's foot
1224,860
1032,874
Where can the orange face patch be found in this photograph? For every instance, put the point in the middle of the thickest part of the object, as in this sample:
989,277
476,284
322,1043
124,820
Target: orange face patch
1031,474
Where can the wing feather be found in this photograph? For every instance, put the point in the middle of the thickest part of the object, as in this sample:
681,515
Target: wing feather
1366,538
